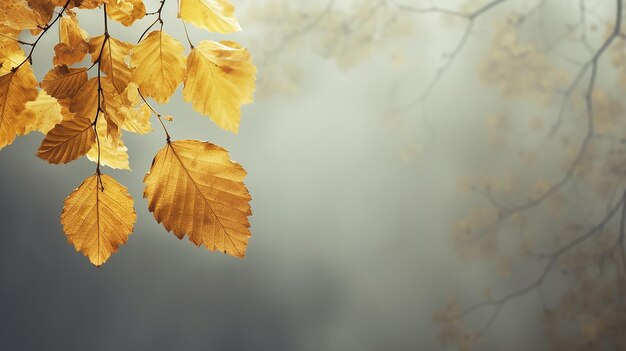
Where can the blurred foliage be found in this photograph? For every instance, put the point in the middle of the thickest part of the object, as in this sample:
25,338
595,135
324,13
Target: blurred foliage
556,198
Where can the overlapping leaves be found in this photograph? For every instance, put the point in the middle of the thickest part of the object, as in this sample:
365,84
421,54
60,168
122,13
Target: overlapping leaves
193,188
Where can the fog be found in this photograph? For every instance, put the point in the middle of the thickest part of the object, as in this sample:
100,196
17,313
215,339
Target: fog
355,197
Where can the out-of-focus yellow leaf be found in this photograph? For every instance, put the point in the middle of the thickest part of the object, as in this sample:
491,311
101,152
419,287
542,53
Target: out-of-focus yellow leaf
44,113
62,82
16,89
160,65
113,152
138,117
98,217
213,15
220,78
126,11
11,55
67,141
194,189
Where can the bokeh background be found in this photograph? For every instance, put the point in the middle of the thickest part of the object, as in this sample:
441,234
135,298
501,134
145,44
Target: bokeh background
355,191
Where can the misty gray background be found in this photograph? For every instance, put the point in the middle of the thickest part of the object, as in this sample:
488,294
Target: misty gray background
350,249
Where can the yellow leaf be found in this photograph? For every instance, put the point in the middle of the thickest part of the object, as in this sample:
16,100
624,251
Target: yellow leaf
67,141
85,102
126,11
212,15
8,39
87,4
16,89
73,46
160,65
113,152
220,78
98,217
44,7
11,55
44,113
138,118
62,82
113,59
82,4
194,189
18,15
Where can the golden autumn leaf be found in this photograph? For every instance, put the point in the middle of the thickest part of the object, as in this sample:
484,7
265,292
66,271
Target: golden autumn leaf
85,102
98,217
67,141
220,78
113,152
44,8
16,89
160,65
18,15
113,55
126,11
194,189
62,82
81,4
8,41
11,55
73,46
215,15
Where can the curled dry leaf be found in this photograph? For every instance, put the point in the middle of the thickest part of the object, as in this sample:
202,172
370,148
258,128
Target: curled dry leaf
194,189
98,217
72,46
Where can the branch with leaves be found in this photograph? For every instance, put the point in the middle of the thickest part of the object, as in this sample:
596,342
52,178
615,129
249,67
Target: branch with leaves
193,188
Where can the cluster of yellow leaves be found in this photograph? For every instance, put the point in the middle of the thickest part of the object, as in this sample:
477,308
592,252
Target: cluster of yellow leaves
193,187
519,68
347,33
365,29
593,305
453,330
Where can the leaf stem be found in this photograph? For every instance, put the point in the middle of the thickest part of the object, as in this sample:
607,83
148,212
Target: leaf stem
100,95
159,116
158,20
185,28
